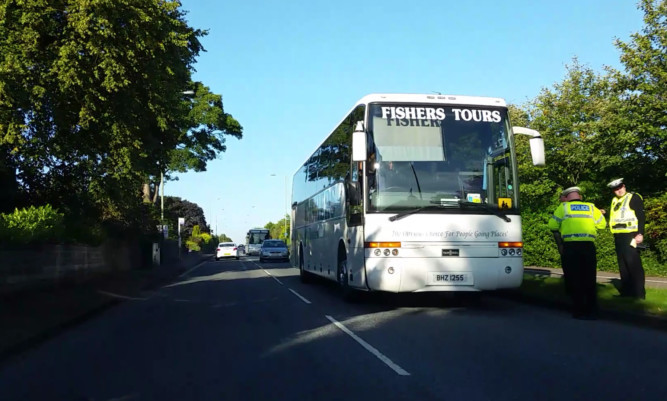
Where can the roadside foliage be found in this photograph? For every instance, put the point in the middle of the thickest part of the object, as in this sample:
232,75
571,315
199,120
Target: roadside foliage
98,107
596,128
97,102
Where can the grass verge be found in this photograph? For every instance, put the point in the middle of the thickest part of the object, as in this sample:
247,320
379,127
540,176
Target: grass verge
551,289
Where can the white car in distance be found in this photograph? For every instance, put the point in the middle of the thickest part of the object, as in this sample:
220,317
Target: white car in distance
227,250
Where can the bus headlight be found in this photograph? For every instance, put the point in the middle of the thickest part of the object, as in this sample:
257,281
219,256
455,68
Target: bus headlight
394,252
377,252
503,252
386,252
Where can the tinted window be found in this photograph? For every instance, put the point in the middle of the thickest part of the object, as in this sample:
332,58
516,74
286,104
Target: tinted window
274,244
329,163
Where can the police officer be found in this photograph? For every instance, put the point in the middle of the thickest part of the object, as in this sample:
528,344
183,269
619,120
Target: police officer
626,222
578,223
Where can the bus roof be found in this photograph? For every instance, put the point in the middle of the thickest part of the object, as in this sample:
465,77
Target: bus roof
433,98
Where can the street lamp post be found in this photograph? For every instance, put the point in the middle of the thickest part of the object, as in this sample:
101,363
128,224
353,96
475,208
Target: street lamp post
161,198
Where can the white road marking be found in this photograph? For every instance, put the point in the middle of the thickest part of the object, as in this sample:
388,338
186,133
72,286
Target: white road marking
293,292
301,297
274,277
369,347
111,294
196,267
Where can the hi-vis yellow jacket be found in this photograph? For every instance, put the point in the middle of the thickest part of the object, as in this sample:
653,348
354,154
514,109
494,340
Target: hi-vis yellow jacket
577,221
623,218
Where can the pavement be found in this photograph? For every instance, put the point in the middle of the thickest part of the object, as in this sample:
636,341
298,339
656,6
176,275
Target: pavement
31,317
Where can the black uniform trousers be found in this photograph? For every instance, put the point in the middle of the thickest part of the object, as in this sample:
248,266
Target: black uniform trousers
581,276
629,266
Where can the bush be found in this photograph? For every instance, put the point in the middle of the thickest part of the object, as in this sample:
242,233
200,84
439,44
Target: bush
35,224
538,241
540,247
656,226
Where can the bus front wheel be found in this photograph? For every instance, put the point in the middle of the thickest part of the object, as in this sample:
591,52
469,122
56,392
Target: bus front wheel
304,276
347,293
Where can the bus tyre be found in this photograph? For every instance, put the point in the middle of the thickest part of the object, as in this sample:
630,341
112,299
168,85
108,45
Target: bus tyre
348,294
304,276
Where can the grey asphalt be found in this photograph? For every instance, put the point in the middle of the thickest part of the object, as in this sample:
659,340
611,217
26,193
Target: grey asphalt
238,330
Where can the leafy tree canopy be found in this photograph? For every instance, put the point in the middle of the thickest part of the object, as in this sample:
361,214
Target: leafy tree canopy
92,103
175,207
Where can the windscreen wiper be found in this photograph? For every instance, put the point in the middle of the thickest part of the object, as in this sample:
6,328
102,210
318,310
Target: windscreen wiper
419,209
416,180
486,207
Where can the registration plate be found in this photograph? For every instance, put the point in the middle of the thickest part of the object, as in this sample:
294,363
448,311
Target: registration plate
228,254
450,278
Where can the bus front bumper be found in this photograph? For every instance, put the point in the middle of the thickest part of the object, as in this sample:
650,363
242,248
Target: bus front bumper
440,274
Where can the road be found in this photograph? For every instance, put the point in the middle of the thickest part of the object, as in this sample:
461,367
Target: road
238,330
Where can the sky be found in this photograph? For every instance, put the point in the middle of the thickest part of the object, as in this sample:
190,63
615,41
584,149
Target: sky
290,70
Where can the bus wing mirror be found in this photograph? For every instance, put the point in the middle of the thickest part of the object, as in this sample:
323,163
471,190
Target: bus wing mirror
536,144
359,143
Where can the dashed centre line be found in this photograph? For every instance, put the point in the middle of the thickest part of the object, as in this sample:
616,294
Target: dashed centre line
369,348
300,296
393,366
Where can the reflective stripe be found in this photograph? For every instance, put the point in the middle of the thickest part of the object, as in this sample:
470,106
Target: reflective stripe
578,216
579,236
558,219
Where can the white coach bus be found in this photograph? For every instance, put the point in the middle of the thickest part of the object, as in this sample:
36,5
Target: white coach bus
254,239
413,193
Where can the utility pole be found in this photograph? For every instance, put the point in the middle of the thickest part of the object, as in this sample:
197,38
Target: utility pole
161,198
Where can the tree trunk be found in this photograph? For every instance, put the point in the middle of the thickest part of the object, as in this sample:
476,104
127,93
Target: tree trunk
146,192
157,192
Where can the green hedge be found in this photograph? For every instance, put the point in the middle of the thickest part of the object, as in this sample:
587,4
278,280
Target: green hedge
540,247
31,225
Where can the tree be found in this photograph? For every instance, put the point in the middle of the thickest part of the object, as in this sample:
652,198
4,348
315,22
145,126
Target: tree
278,229
536,189
642,88
92,105
574,118
175,207
203,137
